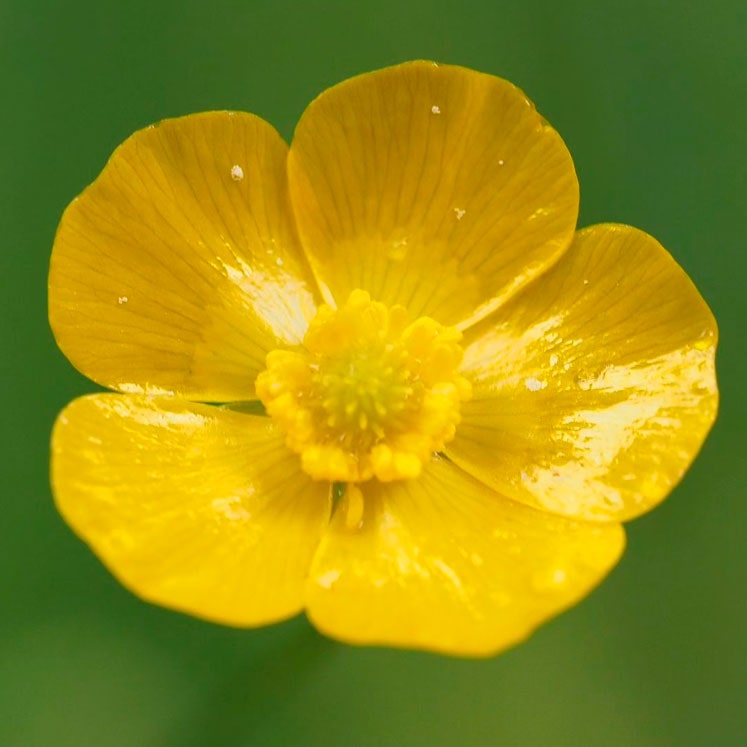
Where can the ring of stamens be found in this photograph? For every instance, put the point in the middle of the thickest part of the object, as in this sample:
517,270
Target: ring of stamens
369,394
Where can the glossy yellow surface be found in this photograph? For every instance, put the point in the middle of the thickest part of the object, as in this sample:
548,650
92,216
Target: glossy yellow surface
594,389
179,268
207,256
444,563
194,507
370,394
434,187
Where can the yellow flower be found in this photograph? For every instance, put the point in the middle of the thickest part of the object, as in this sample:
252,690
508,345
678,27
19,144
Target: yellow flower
462,397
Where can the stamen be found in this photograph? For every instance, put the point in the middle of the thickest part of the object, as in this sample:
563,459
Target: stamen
368,394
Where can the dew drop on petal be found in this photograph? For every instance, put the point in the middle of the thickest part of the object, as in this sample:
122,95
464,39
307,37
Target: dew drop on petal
353,507
549,580
397,250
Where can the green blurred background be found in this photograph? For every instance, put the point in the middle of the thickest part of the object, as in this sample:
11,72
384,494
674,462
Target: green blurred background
650,97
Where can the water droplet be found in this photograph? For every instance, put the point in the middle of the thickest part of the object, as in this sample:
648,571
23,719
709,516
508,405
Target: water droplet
397,250
705,341
353,506
237,173
539,213
549,580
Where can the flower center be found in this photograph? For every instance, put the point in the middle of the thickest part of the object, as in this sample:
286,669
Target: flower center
368,394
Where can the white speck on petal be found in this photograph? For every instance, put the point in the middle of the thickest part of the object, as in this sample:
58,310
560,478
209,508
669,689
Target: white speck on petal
459,213
534,385
231,508
553,360
237,173
279,262
586,282
327,579
501,162
122,299
436,109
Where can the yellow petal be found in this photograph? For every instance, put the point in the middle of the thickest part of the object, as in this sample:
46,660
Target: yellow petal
595,388
444,563
435,187
193,507
179,267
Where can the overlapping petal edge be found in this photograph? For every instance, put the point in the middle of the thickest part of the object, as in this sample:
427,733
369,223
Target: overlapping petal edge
204,244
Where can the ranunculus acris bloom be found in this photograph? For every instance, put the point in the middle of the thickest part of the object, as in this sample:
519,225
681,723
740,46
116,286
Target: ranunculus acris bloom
377,375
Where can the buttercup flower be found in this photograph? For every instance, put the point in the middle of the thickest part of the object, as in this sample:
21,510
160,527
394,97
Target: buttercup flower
377,375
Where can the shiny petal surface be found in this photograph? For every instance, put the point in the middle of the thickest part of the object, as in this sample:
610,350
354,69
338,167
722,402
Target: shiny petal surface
193,507
595,388
435,187
444,563
179,267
